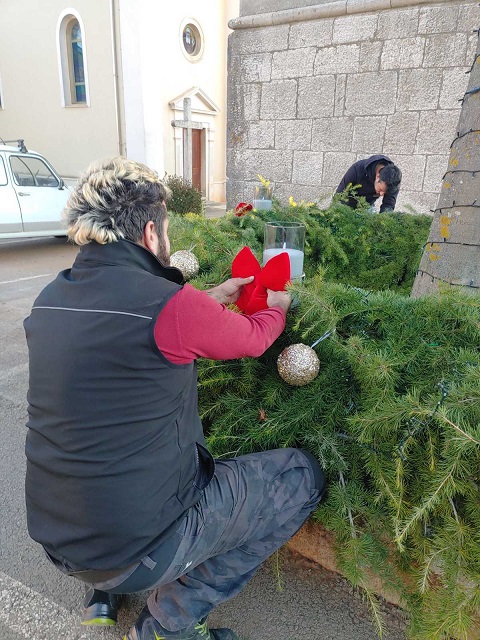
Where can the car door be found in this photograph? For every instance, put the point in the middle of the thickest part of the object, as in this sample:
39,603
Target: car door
10,217
40,192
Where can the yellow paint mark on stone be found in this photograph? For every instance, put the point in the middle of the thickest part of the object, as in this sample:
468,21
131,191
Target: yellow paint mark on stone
433,250
444,223
447,185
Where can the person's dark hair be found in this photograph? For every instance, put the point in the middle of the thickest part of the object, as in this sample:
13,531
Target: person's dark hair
115,199
391,175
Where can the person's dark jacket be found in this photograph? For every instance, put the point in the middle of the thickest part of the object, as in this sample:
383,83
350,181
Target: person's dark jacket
363,174
114,448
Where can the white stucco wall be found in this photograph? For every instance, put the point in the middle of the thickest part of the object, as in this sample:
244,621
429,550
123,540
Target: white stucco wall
71,137
155,71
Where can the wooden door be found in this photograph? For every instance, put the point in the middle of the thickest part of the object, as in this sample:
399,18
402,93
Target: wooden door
197,158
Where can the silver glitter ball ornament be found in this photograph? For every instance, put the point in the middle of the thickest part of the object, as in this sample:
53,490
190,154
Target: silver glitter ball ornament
298,364
187,262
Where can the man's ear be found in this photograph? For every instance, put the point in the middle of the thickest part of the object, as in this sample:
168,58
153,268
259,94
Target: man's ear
150,237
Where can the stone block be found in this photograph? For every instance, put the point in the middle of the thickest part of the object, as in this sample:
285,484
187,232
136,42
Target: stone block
237,162
370,55
436,168
279,100
244,104
471,50
332,134
402,53
401,132
313,33
419,89
294,63
439,19
416,202
316,97
367,154
335,165
468,17
251,101
371,93
260,40
354,28
261,135
395,23
445,50
307,167
299,192
340,88
341,59
293,134
413,170
237,135
368,133
273,164
256,67
454,85
436,130
237,191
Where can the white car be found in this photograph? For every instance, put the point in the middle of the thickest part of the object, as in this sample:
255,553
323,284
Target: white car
32,194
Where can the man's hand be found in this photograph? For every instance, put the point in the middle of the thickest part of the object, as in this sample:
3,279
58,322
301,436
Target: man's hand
279,299
230,290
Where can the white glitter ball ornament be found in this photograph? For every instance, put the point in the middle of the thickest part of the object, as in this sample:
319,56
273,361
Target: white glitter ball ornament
187,262
298,364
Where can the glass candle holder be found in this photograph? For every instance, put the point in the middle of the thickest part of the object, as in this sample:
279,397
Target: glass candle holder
285,237
262,198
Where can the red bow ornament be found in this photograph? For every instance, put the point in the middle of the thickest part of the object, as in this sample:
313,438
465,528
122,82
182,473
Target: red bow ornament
275,275
242,208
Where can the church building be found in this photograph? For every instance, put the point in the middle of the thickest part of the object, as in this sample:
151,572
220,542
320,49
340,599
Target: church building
82,80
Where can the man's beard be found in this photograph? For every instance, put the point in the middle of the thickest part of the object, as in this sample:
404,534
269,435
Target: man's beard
163,255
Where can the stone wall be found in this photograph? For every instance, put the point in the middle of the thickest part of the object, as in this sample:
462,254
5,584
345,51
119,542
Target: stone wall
308,96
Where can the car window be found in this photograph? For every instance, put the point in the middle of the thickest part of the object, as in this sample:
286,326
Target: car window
3,174
32,172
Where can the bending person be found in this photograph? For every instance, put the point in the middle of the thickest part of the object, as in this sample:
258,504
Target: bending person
377,177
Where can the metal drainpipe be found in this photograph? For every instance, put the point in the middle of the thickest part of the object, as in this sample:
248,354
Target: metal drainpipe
117,95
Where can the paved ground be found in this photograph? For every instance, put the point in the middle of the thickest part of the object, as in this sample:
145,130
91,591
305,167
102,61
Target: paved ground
215,209
39,603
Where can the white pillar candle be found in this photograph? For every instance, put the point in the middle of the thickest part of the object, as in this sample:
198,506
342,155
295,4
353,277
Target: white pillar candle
296,260
260,205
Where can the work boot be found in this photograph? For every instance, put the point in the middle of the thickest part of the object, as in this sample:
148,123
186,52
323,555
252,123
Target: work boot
100,608
147,628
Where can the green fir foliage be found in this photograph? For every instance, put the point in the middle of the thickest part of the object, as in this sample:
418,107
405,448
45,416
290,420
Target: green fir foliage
393,416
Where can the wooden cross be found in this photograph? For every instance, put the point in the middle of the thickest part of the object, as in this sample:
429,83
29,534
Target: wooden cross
188,124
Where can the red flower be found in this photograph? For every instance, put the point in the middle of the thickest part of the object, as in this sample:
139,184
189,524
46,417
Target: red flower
242,208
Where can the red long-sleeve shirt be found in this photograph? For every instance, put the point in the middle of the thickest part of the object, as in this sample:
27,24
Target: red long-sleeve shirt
192,325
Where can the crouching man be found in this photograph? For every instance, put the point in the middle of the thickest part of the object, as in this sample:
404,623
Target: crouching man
120,489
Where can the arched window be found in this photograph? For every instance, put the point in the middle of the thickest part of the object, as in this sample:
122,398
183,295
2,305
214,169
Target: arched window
73,62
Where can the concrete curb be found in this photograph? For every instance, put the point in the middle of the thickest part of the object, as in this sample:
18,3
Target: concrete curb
317,544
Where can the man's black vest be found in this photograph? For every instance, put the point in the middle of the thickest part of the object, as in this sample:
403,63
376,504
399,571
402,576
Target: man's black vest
112,456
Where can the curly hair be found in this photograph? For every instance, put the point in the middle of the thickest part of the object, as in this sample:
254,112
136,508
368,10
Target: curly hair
115,199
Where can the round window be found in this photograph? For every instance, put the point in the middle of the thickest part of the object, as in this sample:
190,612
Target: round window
192,40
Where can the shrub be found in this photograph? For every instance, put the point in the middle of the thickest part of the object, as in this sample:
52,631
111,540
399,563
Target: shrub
185,198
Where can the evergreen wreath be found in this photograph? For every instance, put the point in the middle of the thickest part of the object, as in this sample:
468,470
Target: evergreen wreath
393,416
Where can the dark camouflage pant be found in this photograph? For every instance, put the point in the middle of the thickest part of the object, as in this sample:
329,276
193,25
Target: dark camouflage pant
252,506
